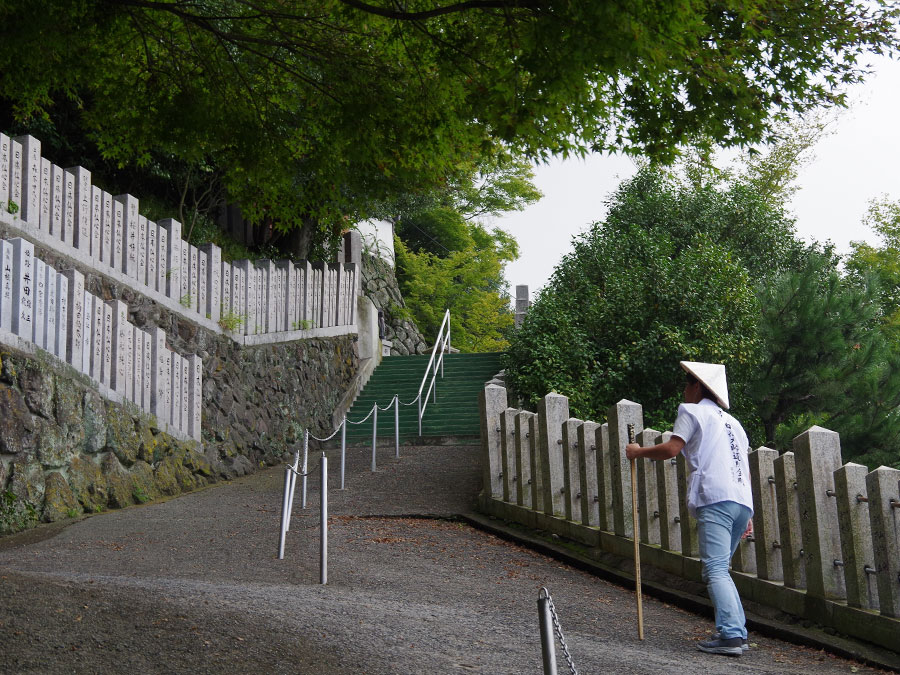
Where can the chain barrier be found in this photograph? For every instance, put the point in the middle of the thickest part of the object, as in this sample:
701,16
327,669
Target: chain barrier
300,474
389,405
546,607
415,400
333,434
366,417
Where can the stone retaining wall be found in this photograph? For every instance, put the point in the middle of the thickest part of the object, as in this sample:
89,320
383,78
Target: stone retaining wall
379,283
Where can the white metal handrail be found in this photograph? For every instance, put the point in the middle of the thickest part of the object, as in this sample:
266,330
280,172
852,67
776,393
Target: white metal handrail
442,341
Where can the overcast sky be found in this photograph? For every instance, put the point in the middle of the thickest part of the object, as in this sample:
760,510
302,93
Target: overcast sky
860,161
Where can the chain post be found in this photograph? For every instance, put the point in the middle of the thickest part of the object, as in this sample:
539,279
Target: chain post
323,542
548,616
343,449
374,434
305,469
397,424
293,483
285,511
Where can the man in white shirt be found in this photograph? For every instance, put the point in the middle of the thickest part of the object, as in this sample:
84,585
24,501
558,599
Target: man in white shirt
719,496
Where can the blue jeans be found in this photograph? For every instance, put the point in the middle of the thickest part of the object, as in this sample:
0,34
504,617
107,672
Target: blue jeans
720,528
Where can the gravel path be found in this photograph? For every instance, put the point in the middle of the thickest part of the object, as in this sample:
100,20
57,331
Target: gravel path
193,585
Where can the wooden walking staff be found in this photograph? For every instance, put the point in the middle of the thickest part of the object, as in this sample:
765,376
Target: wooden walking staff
637,539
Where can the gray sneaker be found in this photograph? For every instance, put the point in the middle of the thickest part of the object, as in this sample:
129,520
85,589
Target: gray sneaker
726,646
745,645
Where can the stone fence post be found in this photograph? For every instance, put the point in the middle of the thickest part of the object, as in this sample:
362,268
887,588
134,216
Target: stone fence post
523,459
765,514
587,470
507,450
648,497
492,402
604,483
856,535
817,454
620,416
571,474
534,458
791,544
667,499
689,542
553,410
883,486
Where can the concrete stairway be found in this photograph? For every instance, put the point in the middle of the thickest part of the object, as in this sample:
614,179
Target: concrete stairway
454,415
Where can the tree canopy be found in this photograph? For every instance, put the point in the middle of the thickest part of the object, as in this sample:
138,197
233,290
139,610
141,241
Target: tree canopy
314,111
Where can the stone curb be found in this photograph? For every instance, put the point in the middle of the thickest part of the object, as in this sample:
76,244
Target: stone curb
869,655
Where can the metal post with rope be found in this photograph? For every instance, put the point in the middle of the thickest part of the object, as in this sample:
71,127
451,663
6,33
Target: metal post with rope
287,505
549,626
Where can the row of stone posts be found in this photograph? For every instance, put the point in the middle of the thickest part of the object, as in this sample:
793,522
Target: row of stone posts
52,310
71,215
826,536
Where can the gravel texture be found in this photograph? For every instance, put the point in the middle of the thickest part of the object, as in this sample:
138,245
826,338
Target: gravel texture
193,585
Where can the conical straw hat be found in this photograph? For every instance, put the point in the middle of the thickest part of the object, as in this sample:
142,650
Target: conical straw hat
712,375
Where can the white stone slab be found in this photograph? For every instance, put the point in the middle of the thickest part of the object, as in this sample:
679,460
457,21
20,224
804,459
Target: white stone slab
96,218
160,376
82,208
87,331
270,288
119,346
57,204
62,315
97,340
195,395
107,227
194,277
174,266
185,399
23,288
202,283
137,366
6,285
244,293
106,372
293,318
15,178
213,281
184,298
46,191
173,391
50,332
142,250
227,305
75,302
162,259
146,352
40,304
119,245
239,296
152,253
130,228
5,148
29,209
262,315
69,222
128,350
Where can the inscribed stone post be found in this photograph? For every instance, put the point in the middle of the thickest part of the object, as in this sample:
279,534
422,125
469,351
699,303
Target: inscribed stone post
261,292
817,453
507,453
667,498
75,302
152,246
174,263
137,364
81,204
96,224
792,561
162,260
689,541
86,333
62,315
571,475
130,229
160,376
23,288
147,354
267,267
194,277
246,292
119,246
29,209
185,293
185,398
856,535
238,297
491,403
128,350
553,411
293,297
304,269
227,303
5,149
172,394
620,416
119,345
69,209
50,332
107,227
587,472
648,494
40,300
765,514
57,204
288,274
6,285
142,250
202,282
106,373
604,482
45,196
213,307
523,459
534,458
334,293
195,394
883,487
318,294
15,174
